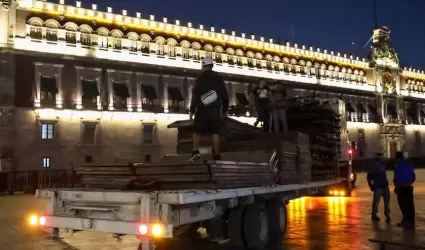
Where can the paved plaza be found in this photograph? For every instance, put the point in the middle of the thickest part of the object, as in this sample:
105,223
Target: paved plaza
314,223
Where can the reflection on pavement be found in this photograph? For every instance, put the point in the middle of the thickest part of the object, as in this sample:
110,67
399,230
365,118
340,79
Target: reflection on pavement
316,222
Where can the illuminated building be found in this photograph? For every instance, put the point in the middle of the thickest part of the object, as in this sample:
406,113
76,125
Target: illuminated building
80,84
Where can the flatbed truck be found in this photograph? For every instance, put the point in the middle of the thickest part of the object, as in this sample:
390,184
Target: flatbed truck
251,218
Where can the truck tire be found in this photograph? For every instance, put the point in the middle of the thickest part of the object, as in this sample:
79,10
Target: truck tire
215,227
256,227
235,227
276,212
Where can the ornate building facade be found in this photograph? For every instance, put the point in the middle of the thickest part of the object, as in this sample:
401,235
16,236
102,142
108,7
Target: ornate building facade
83,85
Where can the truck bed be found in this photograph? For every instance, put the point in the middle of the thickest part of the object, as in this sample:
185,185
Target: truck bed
174,197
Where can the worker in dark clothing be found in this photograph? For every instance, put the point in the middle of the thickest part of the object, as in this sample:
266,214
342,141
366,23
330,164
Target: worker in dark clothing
404,177
209,105
279,102
378,184
263,96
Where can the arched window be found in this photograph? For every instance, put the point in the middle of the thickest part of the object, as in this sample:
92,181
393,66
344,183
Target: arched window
102,38
185,45
35,28
171,47
70,33
52,30
160,42
195,51
145,39
85,35
132,42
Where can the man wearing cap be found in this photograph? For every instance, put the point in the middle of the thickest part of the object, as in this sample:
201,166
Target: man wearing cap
210,102
378,184
404,177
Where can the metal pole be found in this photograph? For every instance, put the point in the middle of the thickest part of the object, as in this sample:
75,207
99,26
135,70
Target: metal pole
375,14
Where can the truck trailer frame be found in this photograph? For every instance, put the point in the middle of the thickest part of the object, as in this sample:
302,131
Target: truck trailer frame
249,217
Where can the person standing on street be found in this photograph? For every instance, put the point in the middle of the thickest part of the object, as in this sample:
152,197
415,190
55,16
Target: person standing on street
404,177
209,105
378,184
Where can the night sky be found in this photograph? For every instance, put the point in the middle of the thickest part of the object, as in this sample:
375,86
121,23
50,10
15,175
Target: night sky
340,25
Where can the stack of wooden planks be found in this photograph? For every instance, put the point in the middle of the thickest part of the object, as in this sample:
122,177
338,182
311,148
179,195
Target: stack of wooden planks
322,125
174,173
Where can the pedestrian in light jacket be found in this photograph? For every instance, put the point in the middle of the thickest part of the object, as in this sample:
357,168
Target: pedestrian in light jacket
404,177
378,184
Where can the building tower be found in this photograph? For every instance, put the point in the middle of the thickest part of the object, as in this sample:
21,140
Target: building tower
390,106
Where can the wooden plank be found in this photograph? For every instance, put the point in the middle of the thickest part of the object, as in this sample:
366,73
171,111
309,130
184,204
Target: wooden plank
164,170
178,177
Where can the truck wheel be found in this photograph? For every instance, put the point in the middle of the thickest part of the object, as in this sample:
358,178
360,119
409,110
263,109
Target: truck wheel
191,231
215,227
235,227
256,227
276,212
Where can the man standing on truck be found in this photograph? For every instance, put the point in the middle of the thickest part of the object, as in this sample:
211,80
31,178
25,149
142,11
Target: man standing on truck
278,99
378,184
404,177
209,105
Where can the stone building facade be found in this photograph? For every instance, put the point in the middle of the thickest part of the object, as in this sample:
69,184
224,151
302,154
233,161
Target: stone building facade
82,85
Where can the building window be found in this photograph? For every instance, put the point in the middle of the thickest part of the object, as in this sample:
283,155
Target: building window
51,35
148,158
89,133
185,53
70,37
349,111
85,39
171,50
195,54
88,159
372,113
116,42
46,162
391,112
175,97
149,98
148,134
103,41
48,91
121,94
159,48
47,131
132,45
90,94
145,47
362,115
35,33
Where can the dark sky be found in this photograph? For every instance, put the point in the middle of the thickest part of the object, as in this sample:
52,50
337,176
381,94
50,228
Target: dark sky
327,24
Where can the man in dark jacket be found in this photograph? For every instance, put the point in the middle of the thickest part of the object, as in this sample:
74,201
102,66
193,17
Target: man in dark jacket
404,177
209,104
378,184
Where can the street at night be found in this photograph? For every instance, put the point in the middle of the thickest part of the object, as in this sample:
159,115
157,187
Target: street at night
313,223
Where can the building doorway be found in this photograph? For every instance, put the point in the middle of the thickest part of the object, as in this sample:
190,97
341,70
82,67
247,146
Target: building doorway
393,148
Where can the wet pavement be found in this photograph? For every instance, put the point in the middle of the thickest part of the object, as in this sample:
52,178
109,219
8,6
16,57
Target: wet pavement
313,223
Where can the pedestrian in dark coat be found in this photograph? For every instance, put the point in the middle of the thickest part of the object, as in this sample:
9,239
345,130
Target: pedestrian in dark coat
378,184
404,177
